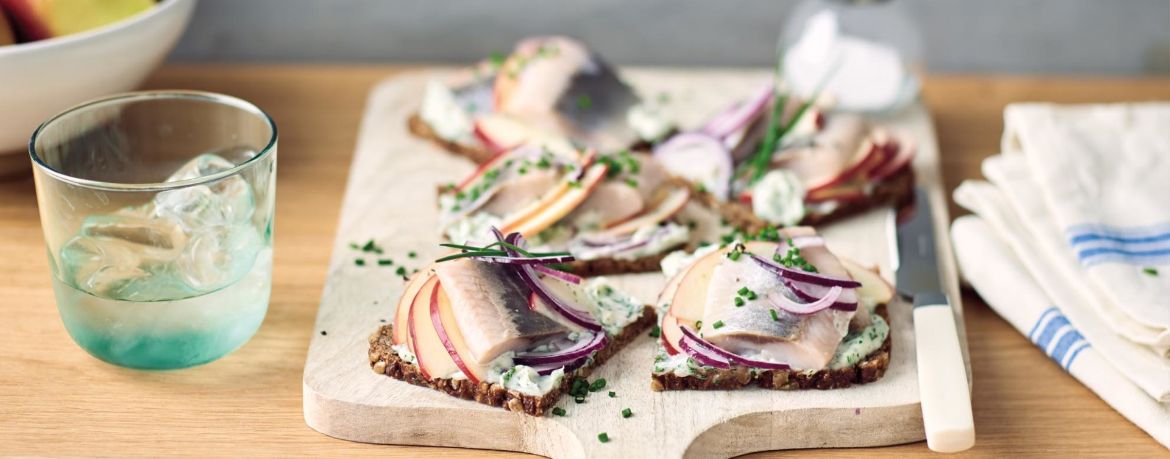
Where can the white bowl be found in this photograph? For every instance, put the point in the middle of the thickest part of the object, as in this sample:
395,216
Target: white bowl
42,78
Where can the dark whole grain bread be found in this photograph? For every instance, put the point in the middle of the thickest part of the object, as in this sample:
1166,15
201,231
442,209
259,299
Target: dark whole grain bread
383,360
476,153
870,369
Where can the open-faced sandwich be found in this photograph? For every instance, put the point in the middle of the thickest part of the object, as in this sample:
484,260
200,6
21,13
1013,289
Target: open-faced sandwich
615,213
548,86
780,312
784,161
496,324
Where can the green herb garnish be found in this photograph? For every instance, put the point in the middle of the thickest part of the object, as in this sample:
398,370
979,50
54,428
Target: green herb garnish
411,254
698,324
359,262
603,437
597,385
739,301
401,271
1150,271
774,315
612,394
496,58
385,262
655,332
627,413
558,411
717,325
584,102
631,182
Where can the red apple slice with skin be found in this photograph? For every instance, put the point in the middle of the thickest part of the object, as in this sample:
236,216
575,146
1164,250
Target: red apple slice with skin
845,193
690,300
549,210
671,334
430,355
673,200
401,332
448,330
499,133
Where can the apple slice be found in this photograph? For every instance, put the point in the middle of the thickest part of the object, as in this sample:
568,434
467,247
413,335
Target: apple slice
553,209
671,334
847,193
7,35
448,330
548,198
429,353
482,169
401,332
670,200
873,285
690,300
500,132
41,19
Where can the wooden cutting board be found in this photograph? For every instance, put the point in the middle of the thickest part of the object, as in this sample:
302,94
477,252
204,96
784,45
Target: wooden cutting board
390,198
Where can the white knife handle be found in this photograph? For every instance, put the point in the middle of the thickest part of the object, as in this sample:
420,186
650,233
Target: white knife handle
942,376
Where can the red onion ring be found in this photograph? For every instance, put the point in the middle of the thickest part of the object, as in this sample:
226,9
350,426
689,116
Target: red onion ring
803,276
778,299
567,277
561,357
740,115
812,292
702,354
528,276
731,357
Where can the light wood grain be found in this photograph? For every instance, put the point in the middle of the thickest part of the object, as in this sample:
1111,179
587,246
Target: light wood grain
388,198
56,400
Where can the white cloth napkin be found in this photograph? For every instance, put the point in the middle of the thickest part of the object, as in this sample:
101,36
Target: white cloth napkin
1001,277
1104,174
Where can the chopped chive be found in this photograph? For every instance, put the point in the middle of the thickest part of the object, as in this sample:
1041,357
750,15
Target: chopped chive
558,411
698,324
627,413
354,245
743,290
579,399
751,295
544,163
401,271
717,325
370,246
612,394
734,255
603,437
597,385
739,301
497,58
385,262
1150,271
584,102
774,315
359,262
411,254
575,184
655,332
632,183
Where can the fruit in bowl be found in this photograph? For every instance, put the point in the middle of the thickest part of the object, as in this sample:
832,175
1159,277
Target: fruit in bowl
85,49
42,19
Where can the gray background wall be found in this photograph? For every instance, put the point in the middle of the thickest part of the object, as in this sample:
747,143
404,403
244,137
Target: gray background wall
1000,36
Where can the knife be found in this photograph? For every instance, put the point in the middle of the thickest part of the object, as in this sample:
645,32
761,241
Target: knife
942,375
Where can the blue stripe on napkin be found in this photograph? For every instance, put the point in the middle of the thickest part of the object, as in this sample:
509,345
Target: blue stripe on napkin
1097,243
1053,334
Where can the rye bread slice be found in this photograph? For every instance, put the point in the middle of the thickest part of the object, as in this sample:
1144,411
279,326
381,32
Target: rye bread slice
383,360
868,370
476,153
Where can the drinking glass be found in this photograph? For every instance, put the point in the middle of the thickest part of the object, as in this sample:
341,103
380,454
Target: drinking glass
157,209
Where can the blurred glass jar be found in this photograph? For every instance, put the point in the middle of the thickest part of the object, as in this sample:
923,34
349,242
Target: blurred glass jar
863,55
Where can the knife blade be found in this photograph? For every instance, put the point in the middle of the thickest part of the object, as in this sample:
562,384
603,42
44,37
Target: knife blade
942,375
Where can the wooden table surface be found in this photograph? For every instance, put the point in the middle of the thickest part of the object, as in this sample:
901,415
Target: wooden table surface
57,400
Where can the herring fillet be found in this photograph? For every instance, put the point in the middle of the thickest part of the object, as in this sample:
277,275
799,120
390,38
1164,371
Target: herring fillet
491,308
806,342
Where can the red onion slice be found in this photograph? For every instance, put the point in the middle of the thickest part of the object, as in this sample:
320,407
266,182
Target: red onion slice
545,369
739,116
812,292
528,276
804,276
564,276
561,357
731,357
778,299
702,354
699,158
